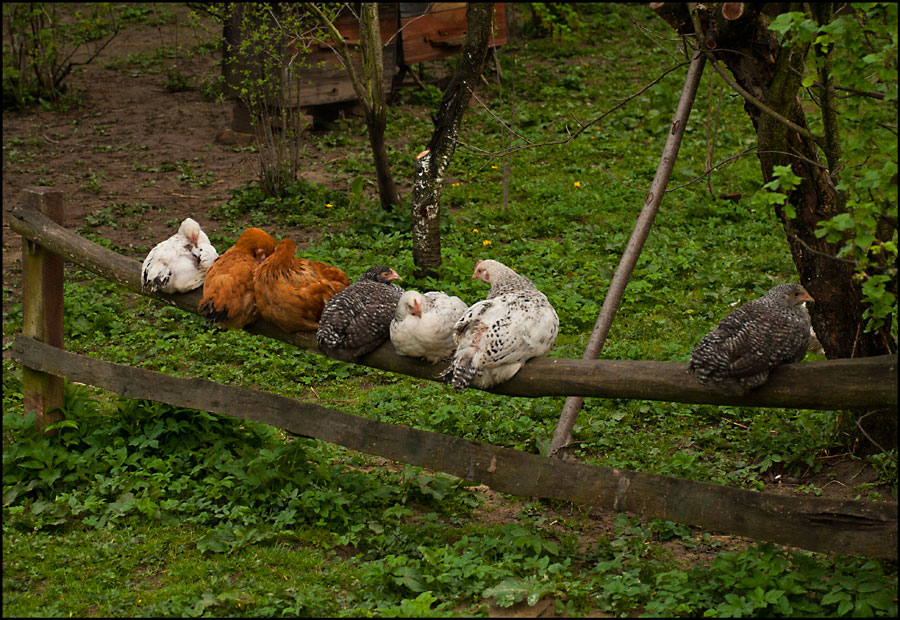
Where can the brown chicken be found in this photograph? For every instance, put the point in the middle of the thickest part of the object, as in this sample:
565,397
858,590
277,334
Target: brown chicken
291,291
228,299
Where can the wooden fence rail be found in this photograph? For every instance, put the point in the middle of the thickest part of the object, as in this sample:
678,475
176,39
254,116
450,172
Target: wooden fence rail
819,524
832,384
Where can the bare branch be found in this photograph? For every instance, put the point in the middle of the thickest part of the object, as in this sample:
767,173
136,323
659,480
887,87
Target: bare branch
572,136
821,253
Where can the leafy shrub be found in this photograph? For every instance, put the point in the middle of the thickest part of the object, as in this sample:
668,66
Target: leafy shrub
39,41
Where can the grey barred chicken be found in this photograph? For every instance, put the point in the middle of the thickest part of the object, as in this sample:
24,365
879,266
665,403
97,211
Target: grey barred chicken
179,264
423,324
742,350
357,320
500,333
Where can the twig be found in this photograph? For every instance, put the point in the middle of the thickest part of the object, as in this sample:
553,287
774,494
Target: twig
572,136
738,424
863,431
821,253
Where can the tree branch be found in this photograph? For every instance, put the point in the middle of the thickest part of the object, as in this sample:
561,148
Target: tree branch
806,133
572,136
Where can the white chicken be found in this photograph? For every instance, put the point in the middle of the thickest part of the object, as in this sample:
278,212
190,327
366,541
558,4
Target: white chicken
497,335
179,264
423,324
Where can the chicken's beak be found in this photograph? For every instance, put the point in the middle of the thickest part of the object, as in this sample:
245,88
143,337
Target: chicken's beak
807,297
393,276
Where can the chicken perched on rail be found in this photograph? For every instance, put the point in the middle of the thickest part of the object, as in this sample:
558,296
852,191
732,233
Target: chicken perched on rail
179,264
228,298
357,319
423,324
291,292
498,334
752,340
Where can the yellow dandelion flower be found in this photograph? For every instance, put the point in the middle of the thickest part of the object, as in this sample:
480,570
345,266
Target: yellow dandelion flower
494,167
577,183
328,204
474,230
455,184
486,242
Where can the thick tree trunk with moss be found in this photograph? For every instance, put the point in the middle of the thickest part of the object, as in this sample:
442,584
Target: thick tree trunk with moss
773,74
431,164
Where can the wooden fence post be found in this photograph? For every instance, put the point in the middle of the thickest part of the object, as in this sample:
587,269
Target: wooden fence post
42,309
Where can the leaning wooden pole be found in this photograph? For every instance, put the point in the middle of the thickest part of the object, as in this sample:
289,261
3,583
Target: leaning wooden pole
563,433
42,309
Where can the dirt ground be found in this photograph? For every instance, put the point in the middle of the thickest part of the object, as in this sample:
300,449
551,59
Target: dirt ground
121,146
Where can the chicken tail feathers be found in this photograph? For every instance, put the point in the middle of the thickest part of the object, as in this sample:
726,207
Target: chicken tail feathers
463,373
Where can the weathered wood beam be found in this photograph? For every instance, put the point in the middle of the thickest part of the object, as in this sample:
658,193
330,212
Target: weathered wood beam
832,384
826,525
42,308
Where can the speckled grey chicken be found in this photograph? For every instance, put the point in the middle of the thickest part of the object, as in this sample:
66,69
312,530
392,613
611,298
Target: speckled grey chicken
498,334
742,350
357,320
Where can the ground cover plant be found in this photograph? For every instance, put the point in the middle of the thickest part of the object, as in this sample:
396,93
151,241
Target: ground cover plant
139,508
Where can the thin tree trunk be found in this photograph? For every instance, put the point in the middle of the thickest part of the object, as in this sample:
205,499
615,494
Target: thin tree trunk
432,163
369,88
376,105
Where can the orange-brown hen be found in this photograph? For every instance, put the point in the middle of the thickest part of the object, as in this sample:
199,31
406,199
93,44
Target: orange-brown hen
291,291
228,298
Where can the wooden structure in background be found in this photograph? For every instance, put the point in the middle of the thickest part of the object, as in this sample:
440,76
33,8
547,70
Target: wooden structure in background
857,527
412,33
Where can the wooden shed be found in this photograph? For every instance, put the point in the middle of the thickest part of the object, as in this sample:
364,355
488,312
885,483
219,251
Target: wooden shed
412,33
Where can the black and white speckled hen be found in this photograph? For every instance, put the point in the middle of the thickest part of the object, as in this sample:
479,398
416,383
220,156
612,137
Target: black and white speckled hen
742,350
500,333
357,320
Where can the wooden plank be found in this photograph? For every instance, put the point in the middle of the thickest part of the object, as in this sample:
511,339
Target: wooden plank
832,384
42,308
819,524
441,32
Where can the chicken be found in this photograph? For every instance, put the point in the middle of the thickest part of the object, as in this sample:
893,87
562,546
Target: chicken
228,298
291,291
500,333
752,340
179,264
423,324
357,320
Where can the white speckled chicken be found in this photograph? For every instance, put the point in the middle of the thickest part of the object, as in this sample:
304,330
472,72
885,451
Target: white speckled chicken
423,324
179,264
497,335
357,320
752,340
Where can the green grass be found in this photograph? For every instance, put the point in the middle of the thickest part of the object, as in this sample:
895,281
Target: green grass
141,509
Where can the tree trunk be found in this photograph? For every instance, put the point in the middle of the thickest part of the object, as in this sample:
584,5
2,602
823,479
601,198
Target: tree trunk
369,88
773,74
376,104
432,163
